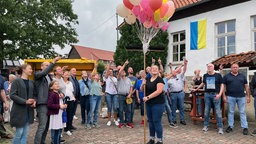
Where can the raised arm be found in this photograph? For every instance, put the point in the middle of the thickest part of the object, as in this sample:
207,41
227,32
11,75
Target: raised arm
107,69
160,65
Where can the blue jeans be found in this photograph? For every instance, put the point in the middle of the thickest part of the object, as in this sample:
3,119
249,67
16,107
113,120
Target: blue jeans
198,104
85,106
43,124
55,135
241,103
177,100
168,108
141,107
124,109
209,101
21,134
255,107
154,114
95,102
111,101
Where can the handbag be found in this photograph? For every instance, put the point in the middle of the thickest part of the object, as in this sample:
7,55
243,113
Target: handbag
64,116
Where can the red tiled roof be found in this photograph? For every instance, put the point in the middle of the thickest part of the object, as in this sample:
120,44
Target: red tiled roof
243,59
183,3
94,54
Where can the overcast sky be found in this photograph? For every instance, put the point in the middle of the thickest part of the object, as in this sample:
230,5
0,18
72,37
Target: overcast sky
97,24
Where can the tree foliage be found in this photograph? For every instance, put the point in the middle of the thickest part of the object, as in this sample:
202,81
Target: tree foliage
101,67
31,28
136,60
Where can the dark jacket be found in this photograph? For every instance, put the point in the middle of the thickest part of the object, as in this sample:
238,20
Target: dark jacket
76,91
53,103
20,110
41,85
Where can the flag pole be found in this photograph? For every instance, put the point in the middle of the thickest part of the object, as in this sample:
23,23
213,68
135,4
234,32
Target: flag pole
144,89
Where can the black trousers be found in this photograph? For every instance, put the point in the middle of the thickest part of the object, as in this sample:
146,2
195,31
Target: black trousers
69,110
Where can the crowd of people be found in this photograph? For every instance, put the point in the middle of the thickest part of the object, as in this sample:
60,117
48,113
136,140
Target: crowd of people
55,93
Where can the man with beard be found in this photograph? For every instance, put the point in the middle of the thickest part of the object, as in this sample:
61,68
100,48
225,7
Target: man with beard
133,95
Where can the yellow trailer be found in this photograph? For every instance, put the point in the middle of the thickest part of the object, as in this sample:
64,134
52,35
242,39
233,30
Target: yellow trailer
79,64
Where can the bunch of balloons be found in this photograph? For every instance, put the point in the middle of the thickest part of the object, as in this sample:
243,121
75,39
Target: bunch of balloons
151,13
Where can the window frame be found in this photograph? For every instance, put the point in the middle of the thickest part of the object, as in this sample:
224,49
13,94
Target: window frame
225,35
253,29
178,43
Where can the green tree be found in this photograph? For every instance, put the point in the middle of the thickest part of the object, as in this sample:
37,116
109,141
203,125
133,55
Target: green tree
31,28
130,38
100,68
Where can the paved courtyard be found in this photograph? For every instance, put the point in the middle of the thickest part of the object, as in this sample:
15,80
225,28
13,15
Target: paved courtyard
189,134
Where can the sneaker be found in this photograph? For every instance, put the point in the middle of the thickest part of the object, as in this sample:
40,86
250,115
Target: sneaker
88,126
121,125
159,142
142,122
62,141
96,125
173,125
109,123
69,133
61,135
75,117
129,125
183,123
177,111
253,133
151,141
229,129
116,123
220,131
205,129
245,131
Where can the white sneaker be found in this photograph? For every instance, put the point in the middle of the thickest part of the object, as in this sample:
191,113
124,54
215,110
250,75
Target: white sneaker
69,133
109,123
116,123
205,129
75,117
220,131
61,135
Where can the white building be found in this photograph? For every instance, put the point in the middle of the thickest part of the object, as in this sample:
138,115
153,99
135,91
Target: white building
231,28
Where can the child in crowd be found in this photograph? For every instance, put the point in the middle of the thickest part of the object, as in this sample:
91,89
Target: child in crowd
55,108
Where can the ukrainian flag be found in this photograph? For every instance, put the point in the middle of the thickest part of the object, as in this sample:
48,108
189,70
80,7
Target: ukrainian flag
198,35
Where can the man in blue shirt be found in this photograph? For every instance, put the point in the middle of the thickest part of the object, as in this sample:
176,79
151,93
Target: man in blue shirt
235,84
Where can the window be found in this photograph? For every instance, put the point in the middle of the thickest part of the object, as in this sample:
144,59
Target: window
178,46
226,38
254,31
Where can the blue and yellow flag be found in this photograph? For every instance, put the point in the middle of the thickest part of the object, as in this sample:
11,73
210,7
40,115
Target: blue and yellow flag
198,35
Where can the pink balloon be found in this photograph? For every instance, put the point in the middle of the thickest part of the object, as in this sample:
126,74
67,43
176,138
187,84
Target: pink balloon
165,27
136,10
147,24
155,4
128,4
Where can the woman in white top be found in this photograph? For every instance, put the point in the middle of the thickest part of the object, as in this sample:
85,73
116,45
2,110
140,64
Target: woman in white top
111,95
70,99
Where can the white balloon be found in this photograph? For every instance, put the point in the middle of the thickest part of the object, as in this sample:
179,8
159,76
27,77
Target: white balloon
135,2
130,19
122,11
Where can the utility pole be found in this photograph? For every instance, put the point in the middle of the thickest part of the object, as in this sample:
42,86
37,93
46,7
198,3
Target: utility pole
117,28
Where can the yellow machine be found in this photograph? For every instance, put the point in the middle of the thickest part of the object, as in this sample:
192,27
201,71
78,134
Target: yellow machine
79,64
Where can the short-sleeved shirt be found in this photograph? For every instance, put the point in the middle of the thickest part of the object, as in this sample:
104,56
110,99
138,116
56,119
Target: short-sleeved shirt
235,85
176,84
138,85
212,82
111,83
123,86
151,87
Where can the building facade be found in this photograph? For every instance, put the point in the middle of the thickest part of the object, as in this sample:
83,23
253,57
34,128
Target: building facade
230,29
